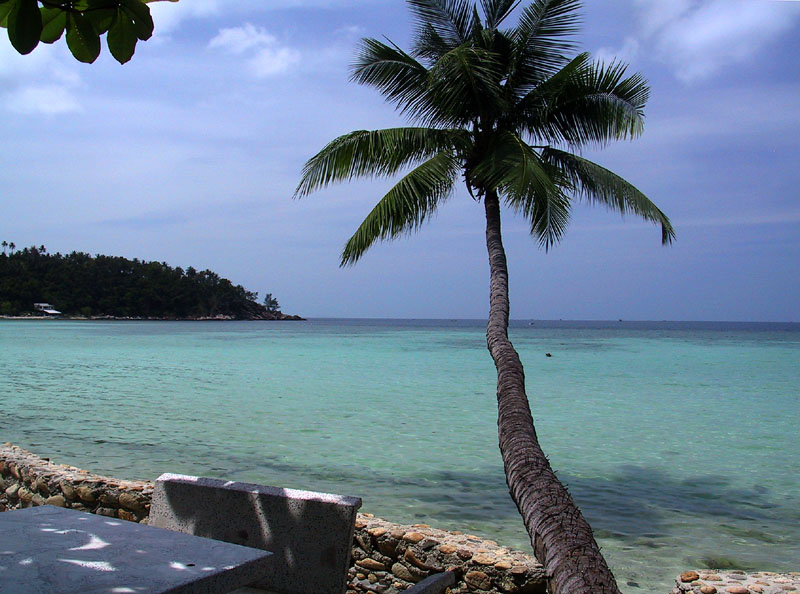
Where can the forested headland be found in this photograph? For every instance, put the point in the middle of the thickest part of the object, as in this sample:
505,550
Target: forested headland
79,284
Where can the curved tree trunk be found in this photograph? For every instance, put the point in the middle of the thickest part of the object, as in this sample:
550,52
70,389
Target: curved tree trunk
562,539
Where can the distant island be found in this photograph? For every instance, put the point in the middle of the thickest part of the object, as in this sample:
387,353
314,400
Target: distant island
81,285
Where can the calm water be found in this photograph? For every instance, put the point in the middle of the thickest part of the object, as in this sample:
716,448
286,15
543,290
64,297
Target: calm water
680,442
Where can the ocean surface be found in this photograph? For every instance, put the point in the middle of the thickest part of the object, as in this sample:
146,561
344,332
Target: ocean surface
679,441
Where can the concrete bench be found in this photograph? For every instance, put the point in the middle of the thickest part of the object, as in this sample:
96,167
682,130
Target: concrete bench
310,534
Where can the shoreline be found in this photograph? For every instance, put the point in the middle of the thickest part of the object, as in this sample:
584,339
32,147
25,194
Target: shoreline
394,556
218,318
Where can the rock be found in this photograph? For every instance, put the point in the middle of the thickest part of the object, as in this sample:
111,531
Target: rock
371,564
397,533
131,502
401,571
124,514
372,578
37,499
40,486
689,576
502,565
482,559
447,549
85,493
713,578
464,554
109,499
756,588
388,546
416,561
737,590
479,580
428,544
25,495
376,532
707,589
413,537
68,490
106,511
57,500
12,491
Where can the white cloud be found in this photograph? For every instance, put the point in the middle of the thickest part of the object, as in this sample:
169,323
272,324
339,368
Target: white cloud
700,37
40,82
45,99
13,65
271,61
240,39
270,56
169,15
627,53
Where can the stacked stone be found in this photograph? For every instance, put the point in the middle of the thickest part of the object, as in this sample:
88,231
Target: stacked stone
27,480
389,558
736,582
386,557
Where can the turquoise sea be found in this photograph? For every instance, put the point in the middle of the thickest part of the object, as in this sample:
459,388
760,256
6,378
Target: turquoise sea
679,441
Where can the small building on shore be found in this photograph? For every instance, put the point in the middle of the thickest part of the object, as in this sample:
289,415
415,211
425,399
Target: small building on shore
46,309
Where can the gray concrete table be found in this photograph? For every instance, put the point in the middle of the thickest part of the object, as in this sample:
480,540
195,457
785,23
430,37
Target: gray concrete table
53,550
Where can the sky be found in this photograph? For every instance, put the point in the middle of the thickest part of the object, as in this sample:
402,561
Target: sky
190,153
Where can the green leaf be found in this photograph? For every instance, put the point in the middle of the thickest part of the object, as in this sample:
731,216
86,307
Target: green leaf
102,19
25,25
141,18
82,40
54,20
122,38
6,8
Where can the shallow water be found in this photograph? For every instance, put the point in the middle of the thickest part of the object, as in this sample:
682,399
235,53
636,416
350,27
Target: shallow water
678,441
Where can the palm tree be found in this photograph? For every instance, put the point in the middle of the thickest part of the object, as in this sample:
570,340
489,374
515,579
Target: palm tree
507,110
11,247
5,245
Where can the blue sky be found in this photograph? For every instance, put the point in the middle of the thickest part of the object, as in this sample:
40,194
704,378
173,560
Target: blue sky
190,153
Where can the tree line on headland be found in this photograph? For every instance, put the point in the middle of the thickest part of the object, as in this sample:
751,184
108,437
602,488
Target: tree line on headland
78,284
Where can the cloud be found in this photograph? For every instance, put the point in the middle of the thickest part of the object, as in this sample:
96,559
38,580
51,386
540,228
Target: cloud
45,99
270,57
41,82
169,15
698,38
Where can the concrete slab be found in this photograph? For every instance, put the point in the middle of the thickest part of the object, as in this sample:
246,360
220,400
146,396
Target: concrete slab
309,533
51,550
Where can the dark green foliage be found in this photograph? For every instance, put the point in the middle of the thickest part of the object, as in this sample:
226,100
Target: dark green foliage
271,303
79,284
31,21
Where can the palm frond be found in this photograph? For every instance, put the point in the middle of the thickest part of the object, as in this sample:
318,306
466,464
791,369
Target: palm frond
593,104
452,20
541,40
397,75
462,84
598,185
406,206
529,185
496,11
374,153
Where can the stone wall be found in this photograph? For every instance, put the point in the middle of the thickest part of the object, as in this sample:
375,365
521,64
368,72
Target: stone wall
386,557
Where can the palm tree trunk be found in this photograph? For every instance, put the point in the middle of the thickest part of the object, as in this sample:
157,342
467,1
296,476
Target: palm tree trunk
562,539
